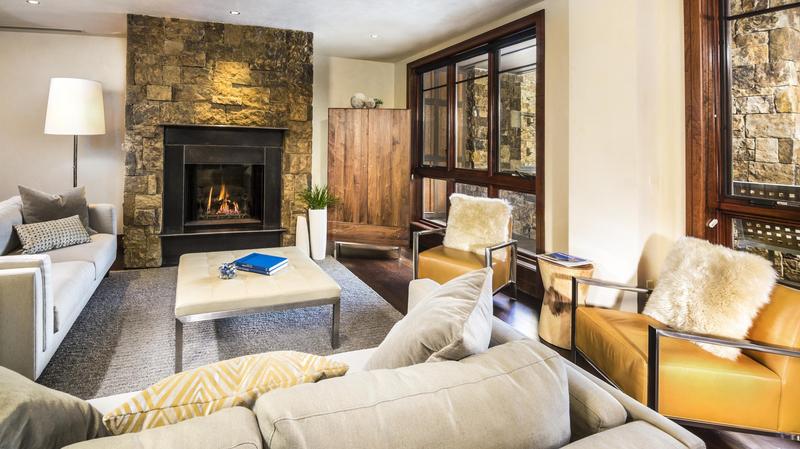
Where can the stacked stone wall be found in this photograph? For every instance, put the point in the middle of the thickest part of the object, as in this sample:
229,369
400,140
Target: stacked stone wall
200,73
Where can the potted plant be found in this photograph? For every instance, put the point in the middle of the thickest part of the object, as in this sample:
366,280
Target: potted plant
318,199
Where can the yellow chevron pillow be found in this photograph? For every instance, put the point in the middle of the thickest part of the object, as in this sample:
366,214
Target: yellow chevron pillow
229,383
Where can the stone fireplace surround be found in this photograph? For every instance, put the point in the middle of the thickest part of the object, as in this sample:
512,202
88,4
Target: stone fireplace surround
202,73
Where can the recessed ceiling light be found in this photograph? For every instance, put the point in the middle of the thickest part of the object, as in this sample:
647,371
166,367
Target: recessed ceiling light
234,12
373,36
32,2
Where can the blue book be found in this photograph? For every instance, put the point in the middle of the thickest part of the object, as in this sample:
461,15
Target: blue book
261,263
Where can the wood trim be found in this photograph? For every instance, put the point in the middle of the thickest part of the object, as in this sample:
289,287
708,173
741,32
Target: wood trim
701,37
481,39
489,178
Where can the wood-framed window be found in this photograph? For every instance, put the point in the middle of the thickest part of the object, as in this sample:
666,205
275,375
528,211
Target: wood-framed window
743,127
478,126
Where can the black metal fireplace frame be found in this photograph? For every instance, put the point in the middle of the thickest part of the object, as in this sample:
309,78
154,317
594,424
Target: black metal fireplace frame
185,145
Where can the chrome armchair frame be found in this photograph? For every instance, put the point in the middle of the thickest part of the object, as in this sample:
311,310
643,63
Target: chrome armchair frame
488,255
654,347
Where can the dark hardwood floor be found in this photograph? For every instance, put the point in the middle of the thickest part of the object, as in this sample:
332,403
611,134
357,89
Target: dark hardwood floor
390,278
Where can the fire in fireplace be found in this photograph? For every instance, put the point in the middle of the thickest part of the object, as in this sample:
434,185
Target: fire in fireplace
222,206
223,194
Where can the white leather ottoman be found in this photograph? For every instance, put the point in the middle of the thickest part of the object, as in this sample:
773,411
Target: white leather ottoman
201,295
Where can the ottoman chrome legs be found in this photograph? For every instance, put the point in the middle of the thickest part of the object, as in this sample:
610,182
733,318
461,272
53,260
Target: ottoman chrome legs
178,346
179,322
335,325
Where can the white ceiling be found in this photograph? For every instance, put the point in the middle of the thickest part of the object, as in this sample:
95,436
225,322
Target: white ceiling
340,27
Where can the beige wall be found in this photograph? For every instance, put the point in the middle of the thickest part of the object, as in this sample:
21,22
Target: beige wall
626,147
556,137
42,161
614,131
335,81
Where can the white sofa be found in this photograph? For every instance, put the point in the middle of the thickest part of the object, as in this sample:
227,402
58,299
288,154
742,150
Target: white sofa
600,416
42,295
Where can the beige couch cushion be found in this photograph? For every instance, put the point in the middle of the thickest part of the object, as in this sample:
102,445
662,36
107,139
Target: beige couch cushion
233,428
100,251
34,416
511,396
454,322
71,282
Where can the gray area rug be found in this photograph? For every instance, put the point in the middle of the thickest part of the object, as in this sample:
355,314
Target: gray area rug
124,339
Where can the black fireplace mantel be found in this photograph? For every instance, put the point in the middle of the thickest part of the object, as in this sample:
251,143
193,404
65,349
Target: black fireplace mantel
258,151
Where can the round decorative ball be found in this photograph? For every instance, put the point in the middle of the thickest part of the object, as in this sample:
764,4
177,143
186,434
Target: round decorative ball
227,271
369,103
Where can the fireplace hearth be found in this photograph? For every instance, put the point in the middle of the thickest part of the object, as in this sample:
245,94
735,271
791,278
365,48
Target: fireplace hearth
222,189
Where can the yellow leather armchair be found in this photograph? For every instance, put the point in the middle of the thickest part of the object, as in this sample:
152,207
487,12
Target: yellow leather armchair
661,367
442,264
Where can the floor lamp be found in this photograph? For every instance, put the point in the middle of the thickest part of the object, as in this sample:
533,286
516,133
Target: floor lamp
75,108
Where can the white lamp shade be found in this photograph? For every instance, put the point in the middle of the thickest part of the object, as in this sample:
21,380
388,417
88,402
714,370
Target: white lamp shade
75,107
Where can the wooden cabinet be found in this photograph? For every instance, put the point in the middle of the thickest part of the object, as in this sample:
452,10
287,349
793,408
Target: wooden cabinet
369,170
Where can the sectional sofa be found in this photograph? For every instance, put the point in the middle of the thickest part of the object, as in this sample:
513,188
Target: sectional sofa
42,295
518,394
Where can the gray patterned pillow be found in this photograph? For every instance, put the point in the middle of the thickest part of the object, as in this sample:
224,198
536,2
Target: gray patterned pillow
40,237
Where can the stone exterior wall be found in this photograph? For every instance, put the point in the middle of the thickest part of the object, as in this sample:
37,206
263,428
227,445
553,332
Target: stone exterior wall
474,98
765,110
517,140
765,96
186,72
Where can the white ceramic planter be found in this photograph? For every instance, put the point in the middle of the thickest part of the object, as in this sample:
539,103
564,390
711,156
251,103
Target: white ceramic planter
318,232
301,236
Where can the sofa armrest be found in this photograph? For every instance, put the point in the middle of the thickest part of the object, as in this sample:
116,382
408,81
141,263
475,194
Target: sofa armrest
22,319
638,412
591,409
633,435
103,218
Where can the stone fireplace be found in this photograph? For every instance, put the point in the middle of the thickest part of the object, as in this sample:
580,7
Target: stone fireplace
185,76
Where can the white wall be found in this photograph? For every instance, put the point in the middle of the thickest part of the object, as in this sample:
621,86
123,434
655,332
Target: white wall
335,81
556,134
614,132
27,155
626,147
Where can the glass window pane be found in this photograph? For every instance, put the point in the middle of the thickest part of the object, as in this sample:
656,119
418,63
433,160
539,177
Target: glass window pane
434,78
518,55
764,102
434,200
472,123
524,216
472,190
473,67
517,122
780,244
434,127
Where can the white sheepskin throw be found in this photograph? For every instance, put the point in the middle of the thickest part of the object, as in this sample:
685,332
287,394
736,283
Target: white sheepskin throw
711,289
475,223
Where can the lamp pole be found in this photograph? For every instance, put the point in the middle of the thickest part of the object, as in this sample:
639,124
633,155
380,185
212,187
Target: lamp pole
74,160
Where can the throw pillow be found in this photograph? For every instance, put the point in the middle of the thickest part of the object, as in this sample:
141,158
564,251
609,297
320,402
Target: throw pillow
38,206
229,383
711,289
454,322
40,237
473,223
34,416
